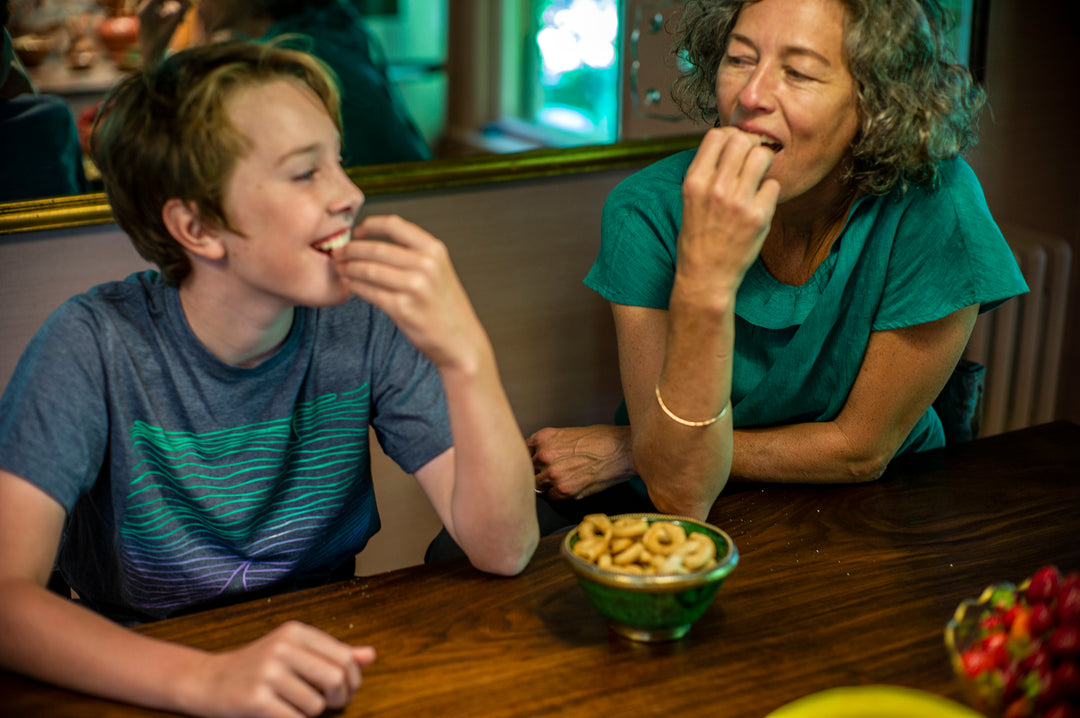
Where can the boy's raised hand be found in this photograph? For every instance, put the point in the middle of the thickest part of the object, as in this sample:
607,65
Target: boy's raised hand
295,670
412,279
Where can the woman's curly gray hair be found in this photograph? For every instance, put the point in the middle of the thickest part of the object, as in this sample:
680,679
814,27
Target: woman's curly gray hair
916,106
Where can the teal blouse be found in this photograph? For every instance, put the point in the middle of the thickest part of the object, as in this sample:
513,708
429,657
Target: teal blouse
900,260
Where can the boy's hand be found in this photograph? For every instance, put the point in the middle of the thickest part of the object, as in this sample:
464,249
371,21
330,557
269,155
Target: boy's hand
295,670
412,279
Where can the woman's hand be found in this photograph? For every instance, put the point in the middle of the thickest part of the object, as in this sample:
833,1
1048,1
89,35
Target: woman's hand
579,461
412,280
295,670
727,209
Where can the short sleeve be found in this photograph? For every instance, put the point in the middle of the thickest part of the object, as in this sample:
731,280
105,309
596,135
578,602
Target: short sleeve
54,416
948,253
409,413
638,232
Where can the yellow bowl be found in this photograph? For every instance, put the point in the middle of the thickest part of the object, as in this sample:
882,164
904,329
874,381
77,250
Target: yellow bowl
873,702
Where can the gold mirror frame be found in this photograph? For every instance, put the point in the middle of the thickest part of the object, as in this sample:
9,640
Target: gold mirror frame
92,209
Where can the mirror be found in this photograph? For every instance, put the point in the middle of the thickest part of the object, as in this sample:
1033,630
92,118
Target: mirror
472,138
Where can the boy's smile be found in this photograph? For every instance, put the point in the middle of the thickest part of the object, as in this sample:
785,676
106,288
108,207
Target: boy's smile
336,241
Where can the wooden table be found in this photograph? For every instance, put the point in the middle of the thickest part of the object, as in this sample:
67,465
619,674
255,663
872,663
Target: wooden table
836,585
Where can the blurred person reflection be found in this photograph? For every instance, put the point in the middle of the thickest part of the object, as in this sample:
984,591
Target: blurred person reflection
378,126
39,145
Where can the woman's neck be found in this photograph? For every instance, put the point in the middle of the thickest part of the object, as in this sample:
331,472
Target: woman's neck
803,232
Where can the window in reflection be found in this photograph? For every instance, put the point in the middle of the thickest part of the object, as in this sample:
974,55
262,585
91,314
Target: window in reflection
575,88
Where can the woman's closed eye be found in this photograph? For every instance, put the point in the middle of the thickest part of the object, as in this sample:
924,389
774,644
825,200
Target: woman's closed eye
798,76
737,61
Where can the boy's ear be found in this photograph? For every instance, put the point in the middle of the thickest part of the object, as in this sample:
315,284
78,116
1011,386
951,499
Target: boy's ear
196,236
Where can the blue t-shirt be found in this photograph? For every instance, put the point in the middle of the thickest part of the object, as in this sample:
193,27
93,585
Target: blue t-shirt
898,262
189,480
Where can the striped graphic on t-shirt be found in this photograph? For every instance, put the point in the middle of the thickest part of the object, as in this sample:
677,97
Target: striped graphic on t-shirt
238,509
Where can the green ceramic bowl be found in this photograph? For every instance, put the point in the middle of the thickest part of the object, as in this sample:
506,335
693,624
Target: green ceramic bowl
654,608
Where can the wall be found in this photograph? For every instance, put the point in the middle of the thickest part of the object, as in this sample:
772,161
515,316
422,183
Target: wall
1028,156
521,250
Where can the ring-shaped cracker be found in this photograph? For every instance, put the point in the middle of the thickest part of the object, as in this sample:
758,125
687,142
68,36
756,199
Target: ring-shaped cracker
590,549
594,526
698,551
663,537
629,527
630,555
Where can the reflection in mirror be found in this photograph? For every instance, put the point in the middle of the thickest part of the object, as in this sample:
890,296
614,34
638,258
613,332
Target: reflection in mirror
478,77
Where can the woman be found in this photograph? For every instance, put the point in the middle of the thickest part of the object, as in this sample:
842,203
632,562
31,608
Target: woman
819,261
378,127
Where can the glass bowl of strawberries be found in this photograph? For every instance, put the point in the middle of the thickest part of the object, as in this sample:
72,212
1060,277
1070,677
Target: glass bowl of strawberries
1016,648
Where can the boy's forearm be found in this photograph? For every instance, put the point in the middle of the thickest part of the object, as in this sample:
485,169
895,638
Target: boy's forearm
52,639
493,502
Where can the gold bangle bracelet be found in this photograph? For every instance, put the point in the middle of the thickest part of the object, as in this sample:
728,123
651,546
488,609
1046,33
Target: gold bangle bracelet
678,419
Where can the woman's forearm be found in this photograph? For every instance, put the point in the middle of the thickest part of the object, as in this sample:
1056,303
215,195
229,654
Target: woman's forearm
682,447
817,452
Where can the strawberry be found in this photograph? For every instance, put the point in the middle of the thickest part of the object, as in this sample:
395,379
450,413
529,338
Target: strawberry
1042,619
1043,585
1064,641
1019,708
1068,599
1066,680
995,647
1062,710
1037,659
1010,682
976,662
992,623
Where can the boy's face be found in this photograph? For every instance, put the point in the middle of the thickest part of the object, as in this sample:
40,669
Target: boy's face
285,195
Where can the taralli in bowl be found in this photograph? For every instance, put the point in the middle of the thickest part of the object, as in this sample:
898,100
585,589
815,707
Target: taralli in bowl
650,575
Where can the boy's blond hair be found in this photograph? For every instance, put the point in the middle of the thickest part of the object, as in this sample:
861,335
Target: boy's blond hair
165,133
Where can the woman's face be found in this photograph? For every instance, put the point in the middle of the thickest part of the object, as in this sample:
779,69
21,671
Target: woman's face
784,77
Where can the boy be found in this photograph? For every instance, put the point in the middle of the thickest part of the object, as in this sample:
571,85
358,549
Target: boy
199,435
